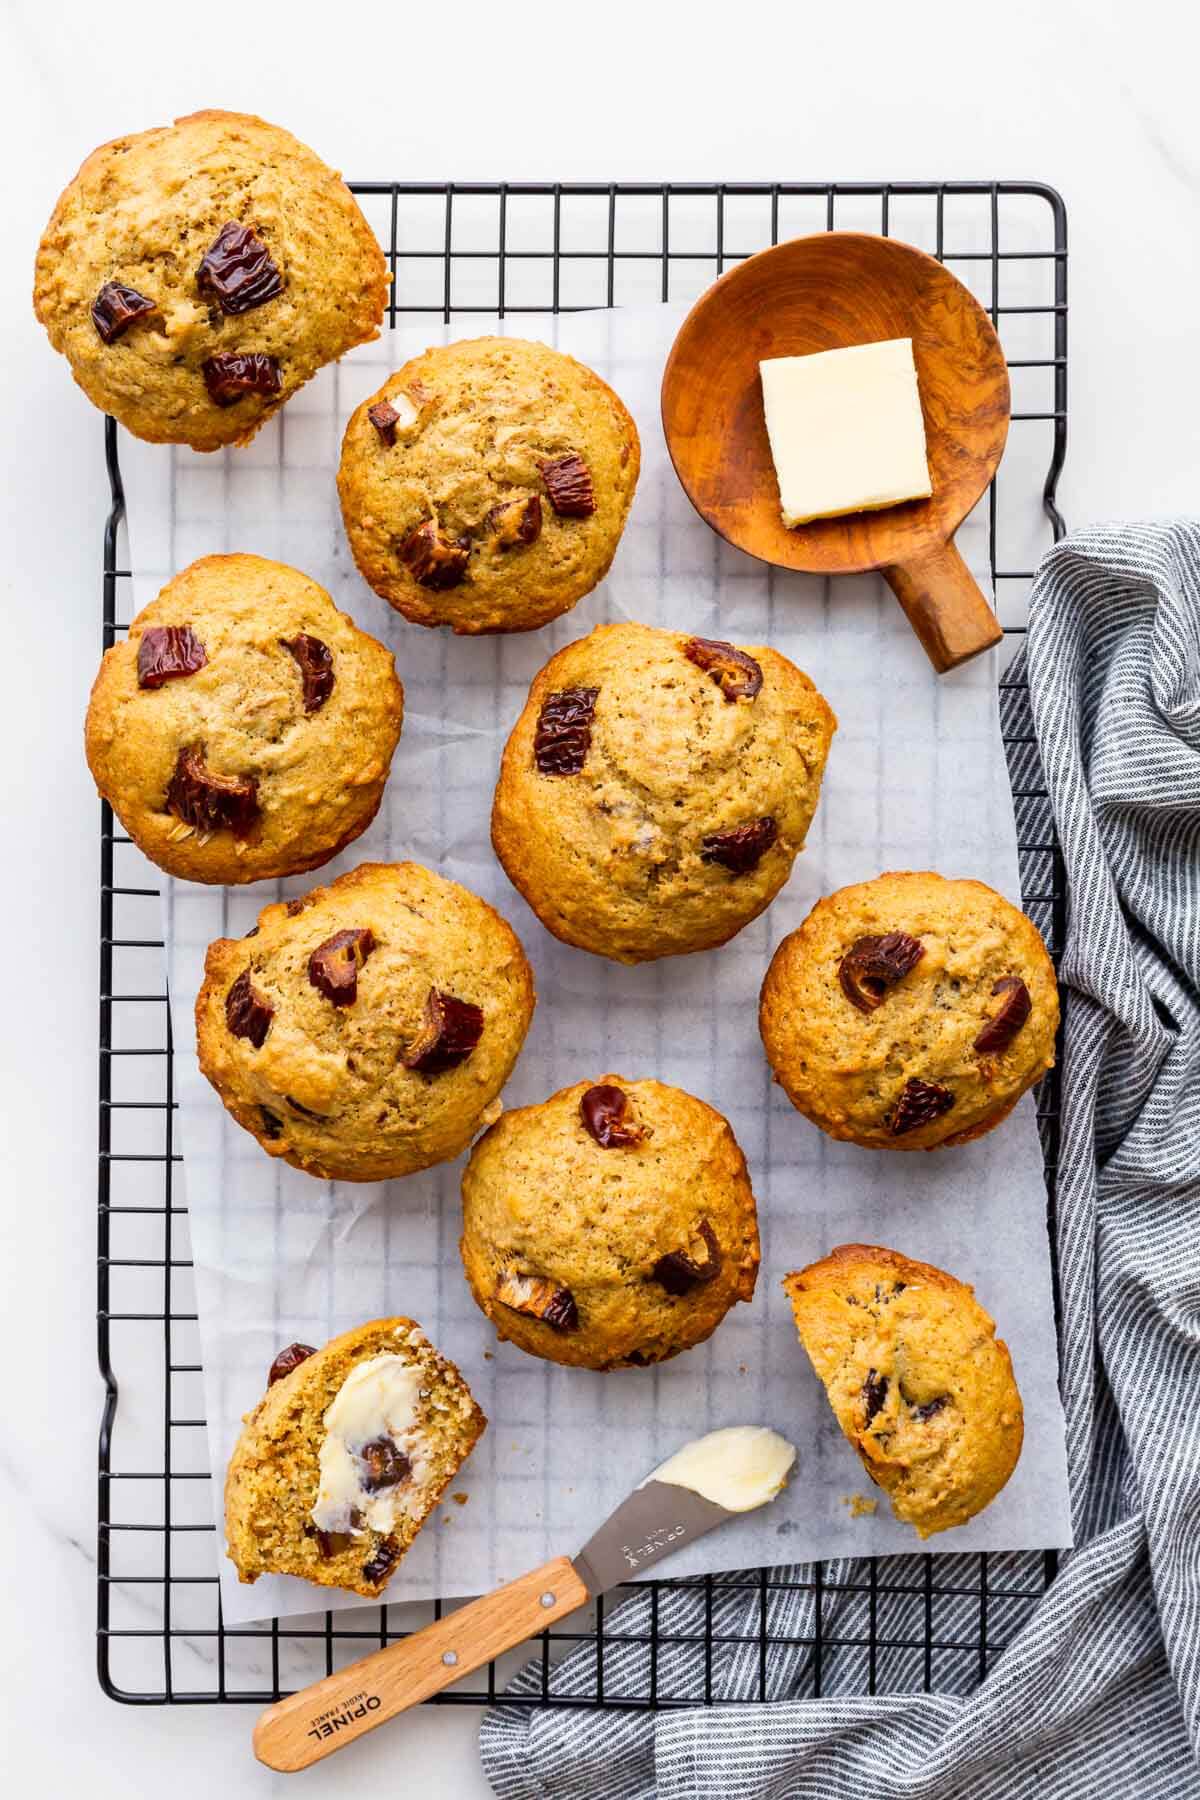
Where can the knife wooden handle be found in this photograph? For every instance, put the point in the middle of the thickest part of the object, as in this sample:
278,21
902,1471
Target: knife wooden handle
320,1719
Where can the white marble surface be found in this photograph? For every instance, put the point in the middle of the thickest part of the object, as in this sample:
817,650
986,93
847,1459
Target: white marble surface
1093,98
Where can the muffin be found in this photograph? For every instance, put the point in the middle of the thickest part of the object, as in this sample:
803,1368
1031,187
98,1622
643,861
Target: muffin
657,788
917,1379
345,1457
364,1031
486,485
245,727
196,275
612,1225
910,1012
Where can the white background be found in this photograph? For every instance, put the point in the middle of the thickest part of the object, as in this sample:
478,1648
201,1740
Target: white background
1095,98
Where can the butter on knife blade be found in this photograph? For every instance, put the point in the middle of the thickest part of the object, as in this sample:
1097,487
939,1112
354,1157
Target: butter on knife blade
706,1483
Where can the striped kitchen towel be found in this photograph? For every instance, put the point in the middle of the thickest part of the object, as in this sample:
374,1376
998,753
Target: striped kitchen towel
1098,1694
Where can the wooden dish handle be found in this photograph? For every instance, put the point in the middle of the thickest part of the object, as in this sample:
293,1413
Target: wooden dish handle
945,606
318,1720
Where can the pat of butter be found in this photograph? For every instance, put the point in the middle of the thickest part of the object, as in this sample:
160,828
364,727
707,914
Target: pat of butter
378,1399
845,429
738,1468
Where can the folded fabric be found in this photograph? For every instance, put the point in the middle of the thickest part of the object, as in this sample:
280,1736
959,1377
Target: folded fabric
1098,1693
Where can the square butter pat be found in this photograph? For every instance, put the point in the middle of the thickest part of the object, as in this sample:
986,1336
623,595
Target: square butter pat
846,430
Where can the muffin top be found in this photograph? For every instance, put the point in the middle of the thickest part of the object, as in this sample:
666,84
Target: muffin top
245,727
365,1031
486,485
657,787
613,1224
197,274
910,1011
918,1380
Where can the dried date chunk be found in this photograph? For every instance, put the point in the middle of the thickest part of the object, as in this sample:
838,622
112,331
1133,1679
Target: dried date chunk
569,485
1004,1024
385,418
433,560
315,661
384,1465
272,1124
381,1564
232,373
333,966
116,307
247,1014
564,731
737,675
211,802
289,1359
872,965
873,1394
741,849
330,1543
920,1104
166,652
449,1032
238,271
607,1117
679,1271
930,1409
516,521
540,1298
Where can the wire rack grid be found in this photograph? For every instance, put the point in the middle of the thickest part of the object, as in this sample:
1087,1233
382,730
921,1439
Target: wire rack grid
912,1622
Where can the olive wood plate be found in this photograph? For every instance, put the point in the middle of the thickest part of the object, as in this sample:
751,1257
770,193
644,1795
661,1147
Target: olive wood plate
823,293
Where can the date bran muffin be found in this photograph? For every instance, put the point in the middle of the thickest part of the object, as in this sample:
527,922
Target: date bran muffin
365,1031
245,727
486,485
917,1379
657,788
910,1011
345,1457
196,275
611,1225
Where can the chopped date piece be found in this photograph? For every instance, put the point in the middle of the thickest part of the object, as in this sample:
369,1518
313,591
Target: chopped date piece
679,1271
294,908
289,1359
1004,1025
332,1543
874,1393
384,418
233,373
116,307
272,1124
919,1104
211,802
333,966
872,965
433,560
564,731
387,1555
305,1112
569,484
516,521
237,270
930,1408
247,1014
386,1466
165,652
737,675
540,1298
741,849
449,1032
315,661
606,1117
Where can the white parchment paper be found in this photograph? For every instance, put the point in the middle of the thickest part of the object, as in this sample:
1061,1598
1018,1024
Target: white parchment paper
916,779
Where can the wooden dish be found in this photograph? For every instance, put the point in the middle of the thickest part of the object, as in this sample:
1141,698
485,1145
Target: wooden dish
822,293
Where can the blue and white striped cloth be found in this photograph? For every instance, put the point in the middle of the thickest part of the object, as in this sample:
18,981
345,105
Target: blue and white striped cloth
1098,1694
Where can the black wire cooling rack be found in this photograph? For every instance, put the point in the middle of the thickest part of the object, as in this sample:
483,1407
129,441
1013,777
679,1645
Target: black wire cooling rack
910,1622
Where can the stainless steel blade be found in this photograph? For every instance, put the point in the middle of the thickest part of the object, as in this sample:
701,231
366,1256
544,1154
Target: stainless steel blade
657,1519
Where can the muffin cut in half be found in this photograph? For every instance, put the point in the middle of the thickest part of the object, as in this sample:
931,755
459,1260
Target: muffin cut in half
917,1379
345,1456
611,1226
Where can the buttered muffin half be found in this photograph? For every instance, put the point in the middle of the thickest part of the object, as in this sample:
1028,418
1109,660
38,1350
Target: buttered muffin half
657,788
611,1226
366,1030
910,1011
